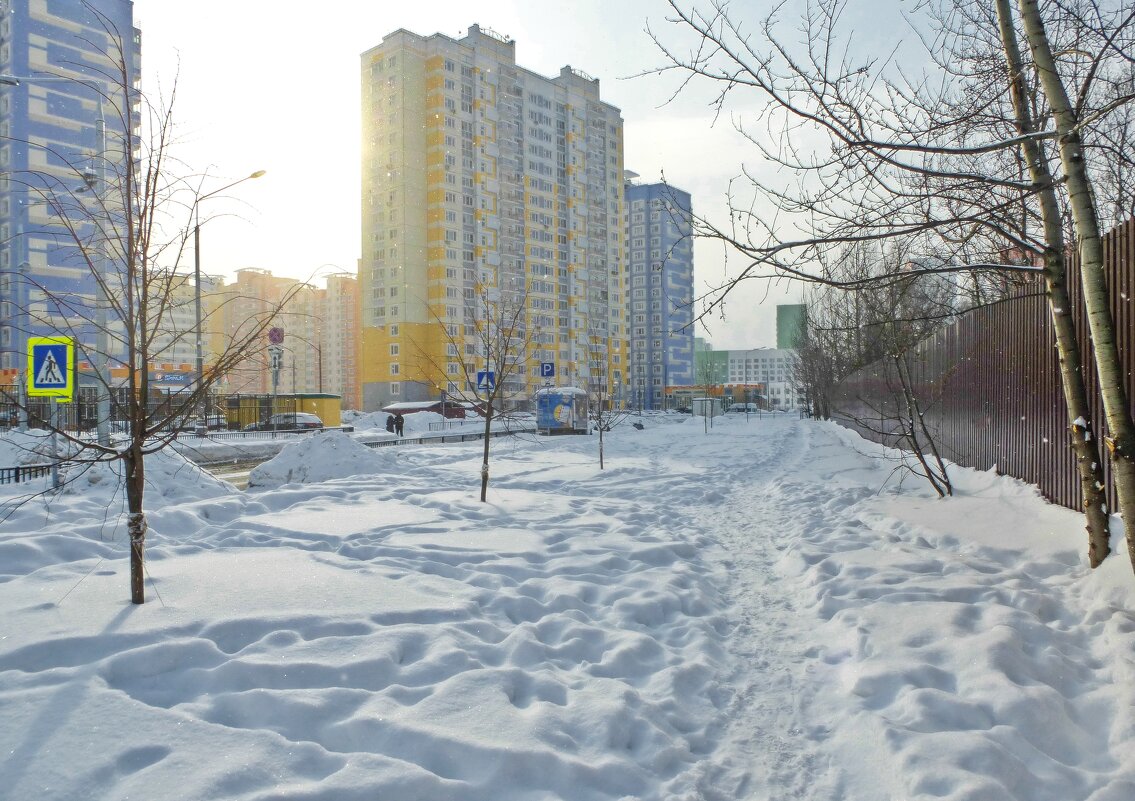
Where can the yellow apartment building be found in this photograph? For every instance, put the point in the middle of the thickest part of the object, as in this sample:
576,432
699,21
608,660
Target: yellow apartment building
485,184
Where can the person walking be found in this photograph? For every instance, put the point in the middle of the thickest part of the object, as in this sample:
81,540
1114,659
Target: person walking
390,423
399,423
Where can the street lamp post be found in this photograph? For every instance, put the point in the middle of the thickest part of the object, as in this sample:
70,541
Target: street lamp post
319,364
307,364
197,280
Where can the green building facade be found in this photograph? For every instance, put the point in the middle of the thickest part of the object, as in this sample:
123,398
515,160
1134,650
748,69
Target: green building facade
789,320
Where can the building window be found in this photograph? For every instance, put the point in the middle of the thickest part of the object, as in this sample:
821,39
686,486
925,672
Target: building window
394,368
395,388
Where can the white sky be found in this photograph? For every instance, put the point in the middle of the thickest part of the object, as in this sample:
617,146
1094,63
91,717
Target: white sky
264,85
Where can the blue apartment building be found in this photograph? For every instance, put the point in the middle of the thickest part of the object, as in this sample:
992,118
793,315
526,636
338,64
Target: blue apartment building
65,112
660,292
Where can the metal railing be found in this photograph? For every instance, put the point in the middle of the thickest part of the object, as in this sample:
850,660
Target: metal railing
24,472
468,436
21,473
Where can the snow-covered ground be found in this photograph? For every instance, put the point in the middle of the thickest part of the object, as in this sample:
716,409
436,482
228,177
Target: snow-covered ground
756,612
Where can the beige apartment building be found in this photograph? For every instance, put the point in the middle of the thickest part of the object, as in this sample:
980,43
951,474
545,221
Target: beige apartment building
321,333
339,336
485,184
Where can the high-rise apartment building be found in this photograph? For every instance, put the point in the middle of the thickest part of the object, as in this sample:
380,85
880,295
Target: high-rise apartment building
338,337
790,318
320,333
174,340
251,297
484,183
63,149
660,299
710,366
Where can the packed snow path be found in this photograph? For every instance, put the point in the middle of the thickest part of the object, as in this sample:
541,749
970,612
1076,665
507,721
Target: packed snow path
764,751
759,611
917,649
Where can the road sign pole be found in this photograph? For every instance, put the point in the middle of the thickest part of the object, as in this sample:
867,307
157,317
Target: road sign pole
54,417
276,358
23,410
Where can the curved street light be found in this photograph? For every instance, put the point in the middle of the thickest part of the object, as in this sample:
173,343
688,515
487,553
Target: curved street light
318,355
197,276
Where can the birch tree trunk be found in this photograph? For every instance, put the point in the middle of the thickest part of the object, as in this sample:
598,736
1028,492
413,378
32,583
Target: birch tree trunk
1117,412
1084,442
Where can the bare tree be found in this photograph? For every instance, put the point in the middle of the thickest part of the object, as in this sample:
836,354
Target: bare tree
707,375
496,327
1073,125
1088,462
129,216
877,330
899,316
602,380
814,372
933,159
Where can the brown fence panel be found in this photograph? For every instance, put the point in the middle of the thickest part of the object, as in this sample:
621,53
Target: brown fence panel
990,383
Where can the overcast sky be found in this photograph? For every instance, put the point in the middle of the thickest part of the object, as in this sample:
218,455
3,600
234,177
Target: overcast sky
264,85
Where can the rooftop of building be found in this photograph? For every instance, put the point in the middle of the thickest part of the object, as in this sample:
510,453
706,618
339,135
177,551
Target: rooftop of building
504,47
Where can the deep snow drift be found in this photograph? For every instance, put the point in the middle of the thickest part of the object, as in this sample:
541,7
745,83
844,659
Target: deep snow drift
756,612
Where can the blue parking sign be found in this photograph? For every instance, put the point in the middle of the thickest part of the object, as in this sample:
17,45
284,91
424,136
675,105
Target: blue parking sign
547,369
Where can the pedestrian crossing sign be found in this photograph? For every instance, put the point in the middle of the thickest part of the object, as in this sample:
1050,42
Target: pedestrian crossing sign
51,367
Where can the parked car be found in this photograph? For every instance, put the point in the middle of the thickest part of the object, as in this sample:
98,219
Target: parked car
216,422
448,408
201,426
287,421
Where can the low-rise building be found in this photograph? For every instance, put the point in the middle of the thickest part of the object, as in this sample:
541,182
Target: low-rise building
772,368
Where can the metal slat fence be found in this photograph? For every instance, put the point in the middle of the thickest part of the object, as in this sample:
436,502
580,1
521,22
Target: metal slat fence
991,383
227,412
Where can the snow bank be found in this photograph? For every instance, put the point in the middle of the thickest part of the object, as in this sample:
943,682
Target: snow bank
170,478
415,424
31,447
322,456
370,420
418,423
